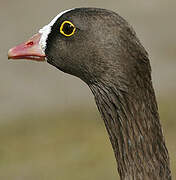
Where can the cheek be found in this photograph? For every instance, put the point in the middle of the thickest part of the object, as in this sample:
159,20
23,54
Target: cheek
58,56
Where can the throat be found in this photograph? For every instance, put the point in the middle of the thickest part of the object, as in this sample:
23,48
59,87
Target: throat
134,129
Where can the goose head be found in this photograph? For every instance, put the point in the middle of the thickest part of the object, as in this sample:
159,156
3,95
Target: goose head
90,43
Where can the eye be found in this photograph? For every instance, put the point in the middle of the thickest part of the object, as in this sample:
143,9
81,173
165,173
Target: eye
67,28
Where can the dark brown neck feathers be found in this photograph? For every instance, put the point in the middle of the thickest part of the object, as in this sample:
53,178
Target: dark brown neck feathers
134,129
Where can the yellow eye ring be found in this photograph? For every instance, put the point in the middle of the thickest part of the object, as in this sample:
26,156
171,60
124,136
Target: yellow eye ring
67,28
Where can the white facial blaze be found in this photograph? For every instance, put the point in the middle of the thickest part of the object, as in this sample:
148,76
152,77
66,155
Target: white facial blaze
45,31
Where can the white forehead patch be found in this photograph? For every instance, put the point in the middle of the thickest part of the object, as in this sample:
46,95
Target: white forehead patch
47,29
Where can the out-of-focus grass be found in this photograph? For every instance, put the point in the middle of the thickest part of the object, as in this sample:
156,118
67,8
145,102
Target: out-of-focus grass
70,145
168,120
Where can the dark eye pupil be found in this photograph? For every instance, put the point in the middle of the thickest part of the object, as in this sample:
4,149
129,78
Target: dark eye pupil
68,28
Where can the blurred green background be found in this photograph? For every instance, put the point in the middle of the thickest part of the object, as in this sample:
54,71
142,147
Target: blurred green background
49,125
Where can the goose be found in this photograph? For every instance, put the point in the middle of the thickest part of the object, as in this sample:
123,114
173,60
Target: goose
102,49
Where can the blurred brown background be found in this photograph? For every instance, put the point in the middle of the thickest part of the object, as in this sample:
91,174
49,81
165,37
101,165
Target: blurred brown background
49,125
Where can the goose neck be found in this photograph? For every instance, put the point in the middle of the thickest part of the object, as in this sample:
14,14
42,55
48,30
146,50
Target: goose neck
134,129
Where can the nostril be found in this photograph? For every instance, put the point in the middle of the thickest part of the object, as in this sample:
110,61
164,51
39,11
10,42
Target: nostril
30,43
